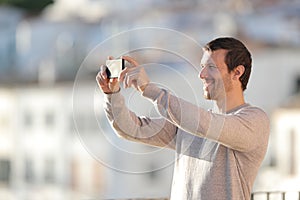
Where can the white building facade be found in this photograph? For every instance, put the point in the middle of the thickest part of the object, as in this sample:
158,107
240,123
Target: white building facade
46,154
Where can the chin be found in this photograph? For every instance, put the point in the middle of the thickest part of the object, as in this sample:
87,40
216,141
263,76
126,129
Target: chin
210,96
207,96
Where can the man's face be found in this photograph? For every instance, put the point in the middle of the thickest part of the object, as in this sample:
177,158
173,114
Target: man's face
214,74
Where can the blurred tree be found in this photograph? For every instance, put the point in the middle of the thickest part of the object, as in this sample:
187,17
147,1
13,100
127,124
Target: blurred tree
31,6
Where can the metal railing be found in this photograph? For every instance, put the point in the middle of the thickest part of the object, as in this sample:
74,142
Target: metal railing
262,195
275,195
141,199
164,198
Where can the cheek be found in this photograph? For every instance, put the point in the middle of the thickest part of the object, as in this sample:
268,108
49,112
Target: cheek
227,81
221,80
216,75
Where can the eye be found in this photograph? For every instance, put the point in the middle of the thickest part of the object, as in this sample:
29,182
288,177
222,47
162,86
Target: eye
208,66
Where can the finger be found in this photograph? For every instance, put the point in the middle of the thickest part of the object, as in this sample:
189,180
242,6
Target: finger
103,84
133,73
113,81
114,84
110,57
131,79
98,78
103,71
101,80
130,60
125,80
123,74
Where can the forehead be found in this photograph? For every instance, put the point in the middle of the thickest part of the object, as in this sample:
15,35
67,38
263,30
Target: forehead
217,57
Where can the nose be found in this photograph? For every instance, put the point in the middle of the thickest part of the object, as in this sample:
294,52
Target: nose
203,73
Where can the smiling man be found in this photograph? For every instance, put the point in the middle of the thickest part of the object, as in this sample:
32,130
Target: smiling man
217,154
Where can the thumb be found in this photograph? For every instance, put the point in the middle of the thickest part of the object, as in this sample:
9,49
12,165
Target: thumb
114,84
113,81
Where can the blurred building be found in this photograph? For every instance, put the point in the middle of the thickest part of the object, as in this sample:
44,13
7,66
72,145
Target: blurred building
9,20
40,156
43,157
283,171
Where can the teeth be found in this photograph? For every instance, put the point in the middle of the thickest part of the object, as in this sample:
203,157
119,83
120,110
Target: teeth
206,85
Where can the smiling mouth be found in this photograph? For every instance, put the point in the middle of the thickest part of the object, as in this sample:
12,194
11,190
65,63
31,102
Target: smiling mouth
207,84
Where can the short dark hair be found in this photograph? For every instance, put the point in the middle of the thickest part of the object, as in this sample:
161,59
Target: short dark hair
237,54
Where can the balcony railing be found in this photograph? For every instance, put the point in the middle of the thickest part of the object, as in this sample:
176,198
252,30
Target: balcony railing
142,199
275,195
270,195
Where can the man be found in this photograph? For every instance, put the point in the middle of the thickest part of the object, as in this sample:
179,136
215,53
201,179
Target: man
218,154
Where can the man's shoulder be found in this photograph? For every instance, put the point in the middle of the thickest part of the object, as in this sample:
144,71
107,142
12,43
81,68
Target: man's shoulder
253,111
253,108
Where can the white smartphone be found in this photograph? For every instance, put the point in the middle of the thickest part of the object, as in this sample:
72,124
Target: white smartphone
114,67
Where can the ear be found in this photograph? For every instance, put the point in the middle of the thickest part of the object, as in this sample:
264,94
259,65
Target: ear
238,72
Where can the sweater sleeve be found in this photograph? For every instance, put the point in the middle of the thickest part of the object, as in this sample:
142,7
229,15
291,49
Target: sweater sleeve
242,131
152,131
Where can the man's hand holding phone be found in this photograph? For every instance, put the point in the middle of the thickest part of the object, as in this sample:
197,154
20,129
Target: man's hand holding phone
134,75
107,83
115,71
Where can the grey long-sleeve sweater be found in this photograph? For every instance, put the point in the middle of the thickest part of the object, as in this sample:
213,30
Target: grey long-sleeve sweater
217,155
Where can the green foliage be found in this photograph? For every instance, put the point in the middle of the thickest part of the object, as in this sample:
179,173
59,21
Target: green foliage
28,5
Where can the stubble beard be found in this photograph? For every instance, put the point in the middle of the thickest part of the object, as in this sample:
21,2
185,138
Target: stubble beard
219,90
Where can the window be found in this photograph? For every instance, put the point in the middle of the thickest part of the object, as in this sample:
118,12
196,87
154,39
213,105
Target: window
71,124
75,170
29,171
49,170
298,84
49,119
28,119
292,153
5,167
153,172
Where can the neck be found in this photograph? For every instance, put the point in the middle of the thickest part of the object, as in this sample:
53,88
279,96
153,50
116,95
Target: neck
231,101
